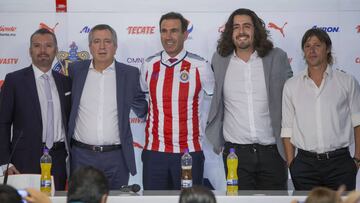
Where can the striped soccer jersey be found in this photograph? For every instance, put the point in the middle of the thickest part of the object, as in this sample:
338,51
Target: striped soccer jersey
175,92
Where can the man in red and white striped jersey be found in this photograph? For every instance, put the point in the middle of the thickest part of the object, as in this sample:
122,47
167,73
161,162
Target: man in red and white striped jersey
177,82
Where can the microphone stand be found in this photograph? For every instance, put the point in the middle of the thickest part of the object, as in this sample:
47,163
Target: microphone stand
6,175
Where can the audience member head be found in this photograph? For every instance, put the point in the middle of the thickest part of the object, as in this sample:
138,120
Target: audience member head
197,194
88,185
353,197
323,195
9,194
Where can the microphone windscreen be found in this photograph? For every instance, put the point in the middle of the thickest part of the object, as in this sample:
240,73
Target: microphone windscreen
135,188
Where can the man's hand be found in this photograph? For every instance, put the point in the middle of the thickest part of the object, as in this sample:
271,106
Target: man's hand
12,171
36,196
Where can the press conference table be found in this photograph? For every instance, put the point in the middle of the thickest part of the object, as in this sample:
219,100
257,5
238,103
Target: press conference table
173,197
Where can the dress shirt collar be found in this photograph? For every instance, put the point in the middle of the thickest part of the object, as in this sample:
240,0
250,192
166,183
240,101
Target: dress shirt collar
328,72
38,73
109,68
165,57
253,56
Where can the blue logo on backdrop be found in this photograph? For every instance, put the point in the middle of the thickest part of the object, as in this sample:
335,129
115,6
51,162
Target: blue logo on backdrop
328,29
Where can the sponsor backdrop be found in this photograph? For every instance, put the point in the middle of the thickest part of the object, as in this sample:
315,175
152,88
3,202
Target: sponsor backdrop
136,23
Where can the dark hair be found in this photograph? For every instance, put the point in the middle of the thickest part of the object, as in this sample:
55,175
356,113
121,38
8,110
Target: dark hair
322,195
261,42
87,185
174,15
323,36
197,194
103,27
43,31
9,194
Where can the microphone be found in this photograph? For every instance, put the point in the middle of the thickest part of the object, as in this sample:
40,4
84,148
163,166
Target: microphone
130,188
10,157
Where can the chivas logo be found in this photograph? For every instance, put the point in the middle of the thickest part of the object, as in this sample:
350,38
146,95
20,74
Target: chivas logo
65,58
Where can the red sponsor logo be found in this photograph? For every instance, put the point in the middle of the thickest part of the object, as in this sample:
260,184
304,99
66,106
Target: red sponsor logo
278,28
358,28
1,83
9,60
138,145
136,120
61,6
357,60
290,60
44,26
221,28
141,30
4,28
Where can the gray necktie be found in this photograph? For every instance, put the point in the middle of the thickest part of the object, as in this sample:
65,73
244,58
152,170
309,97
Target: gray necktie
49,133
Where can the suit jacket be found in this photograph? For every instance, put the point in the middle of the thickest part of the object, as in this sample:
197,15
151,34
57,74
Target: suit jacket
20,108
276,71
128,95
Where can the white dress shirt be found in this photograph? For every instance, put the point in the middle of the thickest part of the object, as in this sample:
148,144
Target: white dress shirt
97,120
59,130
321,119
246,114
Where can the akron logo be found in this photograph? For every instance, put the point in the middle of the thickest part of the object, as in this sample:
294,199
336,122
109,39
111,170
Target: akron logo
184,76
65,58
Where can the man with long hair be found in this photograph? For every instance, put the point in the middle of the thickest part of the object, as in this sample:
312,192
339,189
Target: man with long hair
245,111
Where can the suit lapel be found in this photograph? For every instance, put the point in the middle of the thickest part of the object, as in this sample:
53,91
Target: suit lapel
120,91
60,90
267,60
78,84
29,79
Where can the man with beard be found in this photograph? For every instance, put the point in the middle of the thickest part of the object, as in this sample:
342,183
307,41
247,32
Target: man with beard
35,103
321,114
245,111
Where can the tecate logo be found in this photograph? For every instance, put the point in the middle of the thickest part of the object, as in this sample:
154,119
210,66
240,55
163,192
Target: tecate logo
141,30
328,29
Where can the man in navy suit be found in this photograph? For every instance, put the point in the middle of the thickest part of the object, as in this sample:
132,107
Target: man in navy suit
104,91
25,106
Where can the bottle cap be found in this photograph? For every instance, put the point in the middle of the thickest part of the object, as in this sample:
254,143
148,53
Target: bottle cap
46,150
232,150
186,150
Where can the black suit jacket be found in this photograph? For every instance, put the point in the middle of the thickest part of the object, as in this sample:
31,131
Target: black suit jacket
20,108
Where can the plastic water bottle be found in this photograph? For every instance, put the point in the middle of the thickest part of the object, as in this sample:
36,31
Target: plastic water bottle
45,180
232,177
186,165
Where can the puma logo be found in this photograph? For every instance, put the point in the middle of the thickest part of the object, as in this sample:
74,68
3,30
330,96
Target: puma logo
274,26
44,26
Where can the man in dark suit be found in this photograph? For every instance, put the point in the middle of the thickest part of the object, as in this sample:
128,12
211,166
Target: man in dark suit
35,102
104,91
